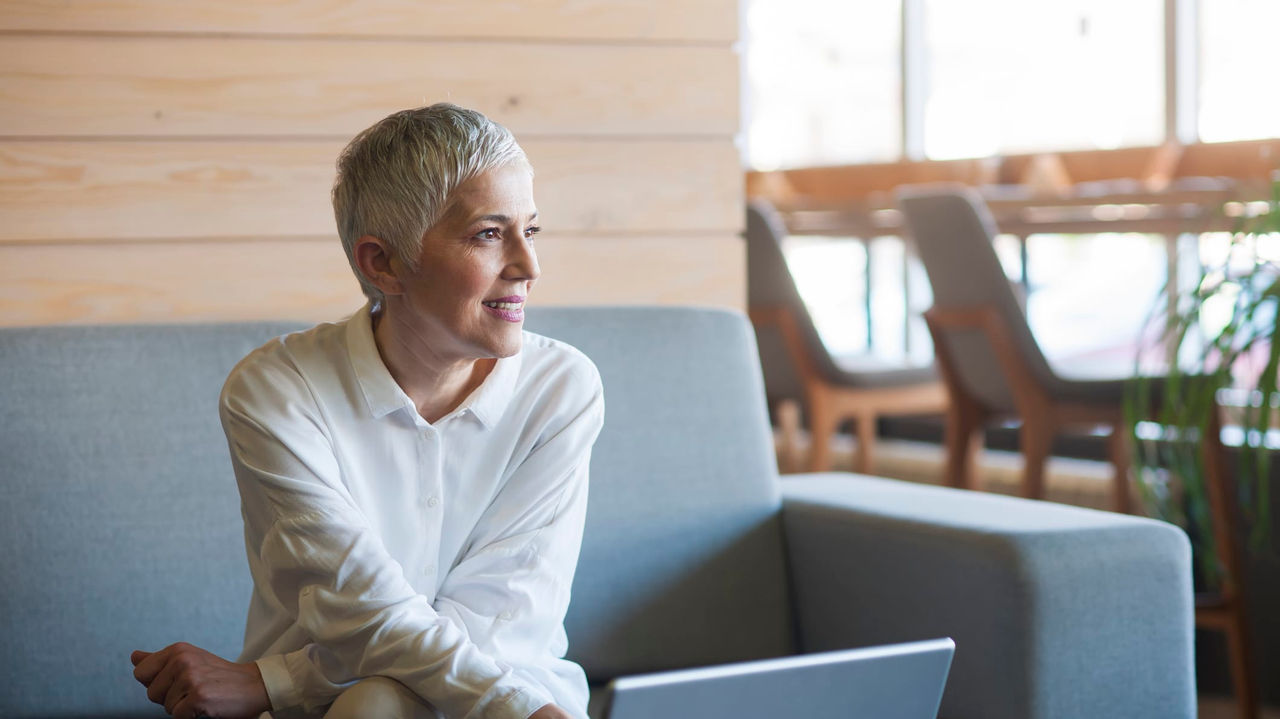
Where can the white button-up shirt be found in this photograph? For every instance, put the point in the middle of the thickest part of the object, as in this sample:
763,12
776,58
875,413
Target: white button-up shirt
440,555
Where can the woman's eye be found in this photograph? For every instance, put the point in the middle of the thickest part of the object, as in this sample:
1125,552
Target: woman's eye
491,233
529,232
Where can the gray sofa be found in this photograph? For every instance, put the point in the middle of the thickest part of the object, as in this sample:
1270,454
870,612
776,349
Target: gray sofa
121,530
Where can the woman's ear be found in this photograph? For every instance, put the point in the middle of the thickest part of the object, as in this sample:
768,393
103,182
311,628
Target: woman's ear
374,259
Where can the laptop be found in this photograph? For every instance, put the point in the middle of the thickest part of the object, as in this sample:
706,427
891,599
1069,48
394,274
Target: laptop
897,681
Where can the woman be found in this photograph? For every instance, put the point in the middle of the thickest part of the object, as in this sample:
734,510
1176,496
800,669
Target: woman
412,479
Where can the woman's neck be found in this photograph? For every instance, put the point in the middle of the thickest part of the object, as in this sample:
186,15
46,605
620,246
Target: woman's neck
436,384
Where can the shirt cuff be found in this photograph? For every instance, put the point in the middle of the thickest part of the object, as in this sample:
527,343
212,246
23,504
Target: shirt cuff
280,687
504,701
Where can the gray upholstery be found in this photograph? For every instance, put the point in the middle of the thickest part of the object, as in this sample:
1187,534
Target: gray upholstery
1027,589
120,526
682,560
120,530
953,229
770,284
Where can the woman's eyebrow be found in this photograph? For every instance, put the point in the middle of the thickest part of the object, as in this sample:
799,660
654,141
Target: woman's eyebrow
503,219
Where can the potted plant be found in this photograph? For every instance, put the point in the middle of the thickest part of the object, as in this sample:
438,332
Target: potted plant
1217,337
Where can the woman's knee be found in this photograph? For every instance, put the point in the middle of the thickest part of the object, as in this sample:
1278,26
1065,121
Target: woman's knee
379,698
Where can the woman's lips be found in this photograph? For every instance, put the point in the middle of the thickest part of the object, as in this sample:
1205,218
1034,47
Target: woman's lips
510,309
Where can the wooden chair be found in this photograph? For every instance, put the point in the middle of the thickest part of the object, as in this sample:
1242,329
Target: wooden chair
994,369
797,365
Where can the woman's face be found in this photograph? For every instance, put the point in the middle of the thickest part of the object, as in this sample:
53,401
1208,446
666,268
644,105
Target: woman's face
466,299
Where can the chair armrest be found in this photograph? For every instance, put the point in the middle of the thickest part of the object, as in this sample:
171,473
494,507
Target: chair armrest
1056,611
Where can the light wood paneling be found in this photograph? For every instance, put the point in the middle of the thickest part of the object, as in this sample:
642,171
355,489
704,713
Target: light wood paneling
681,20
222,86
170,160
309,279
174,282
166,190
674,270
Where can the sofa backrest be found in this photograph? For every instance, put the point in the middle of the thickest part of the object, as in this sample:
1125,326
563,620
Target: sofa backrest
682,563
120,528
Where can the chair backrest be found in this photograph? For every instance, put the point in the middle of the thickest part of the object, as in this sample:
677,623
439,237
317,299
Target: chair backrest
770,285
953,230
121,527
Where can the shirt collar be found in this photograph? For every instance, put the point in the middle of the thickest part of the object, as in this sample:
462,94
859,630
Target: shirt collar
381,392
486,403
490,399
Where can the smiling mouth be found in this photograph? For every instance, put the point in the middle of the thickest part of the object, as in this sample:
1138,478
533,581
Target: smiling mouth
504,304
508,309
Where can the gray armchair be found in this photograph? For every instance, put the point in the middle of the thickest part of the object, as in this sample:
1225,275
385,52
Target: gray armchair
121,530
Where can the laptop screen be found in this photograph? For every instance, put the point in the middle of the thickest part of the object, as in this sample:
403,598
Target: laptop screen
899,681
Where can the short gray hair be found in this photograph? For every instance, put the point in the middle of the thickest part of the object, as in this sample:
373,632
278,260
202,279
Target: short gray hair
395,178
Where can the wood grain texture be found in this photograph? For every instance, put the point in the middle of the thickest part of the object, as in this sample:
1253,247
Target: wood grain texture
308,279
227,86
708,270
174,282
164,190
680,20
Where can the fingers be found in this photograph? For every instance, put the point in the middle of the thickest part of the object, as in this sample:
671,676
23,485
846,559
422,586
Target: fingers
138,656
157,671
146,668
161,687
169,686
191,682
186,709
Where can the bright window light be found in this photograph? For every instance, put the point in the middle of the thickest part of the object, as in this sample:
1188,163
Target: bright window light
1008,76
822,82
1238,98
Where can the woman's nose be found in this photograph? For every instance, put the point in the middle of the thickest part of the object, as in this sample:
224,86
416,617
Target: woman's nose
522,261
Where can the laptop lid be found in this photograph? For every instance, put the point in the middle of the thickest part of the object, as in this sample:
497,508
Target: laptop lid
898,681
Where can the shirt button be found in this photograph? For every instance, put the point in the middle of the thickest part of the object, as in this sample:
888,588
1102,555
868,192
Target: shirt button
429,569
505,616
433,501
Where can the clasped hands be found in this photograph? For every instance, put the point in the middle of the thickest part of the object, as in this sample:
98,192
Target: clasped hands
191,682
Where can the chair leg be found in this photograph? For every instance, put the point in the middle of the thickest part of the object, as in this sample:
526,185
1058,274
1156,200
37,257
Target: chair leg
822,429
1223,510
1036,438
1241,665
866,428
788,415
963,436
1121,496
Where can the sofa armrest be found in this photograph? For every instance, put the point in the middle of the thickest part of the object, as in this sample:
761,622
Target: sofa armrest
1056,611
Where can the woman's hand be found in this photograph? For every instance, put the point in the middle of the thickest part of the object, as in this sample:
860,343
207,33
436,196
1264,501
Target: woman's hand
191,682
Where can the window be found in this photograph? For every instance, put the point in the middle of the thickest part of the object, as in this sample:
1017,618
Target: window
822,82
1238,99
829,82
1090,296
830,272
1008,76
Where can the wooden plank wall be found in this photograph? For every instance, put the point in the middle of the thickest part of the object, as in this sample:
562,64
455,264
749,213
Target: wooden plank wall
171,161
